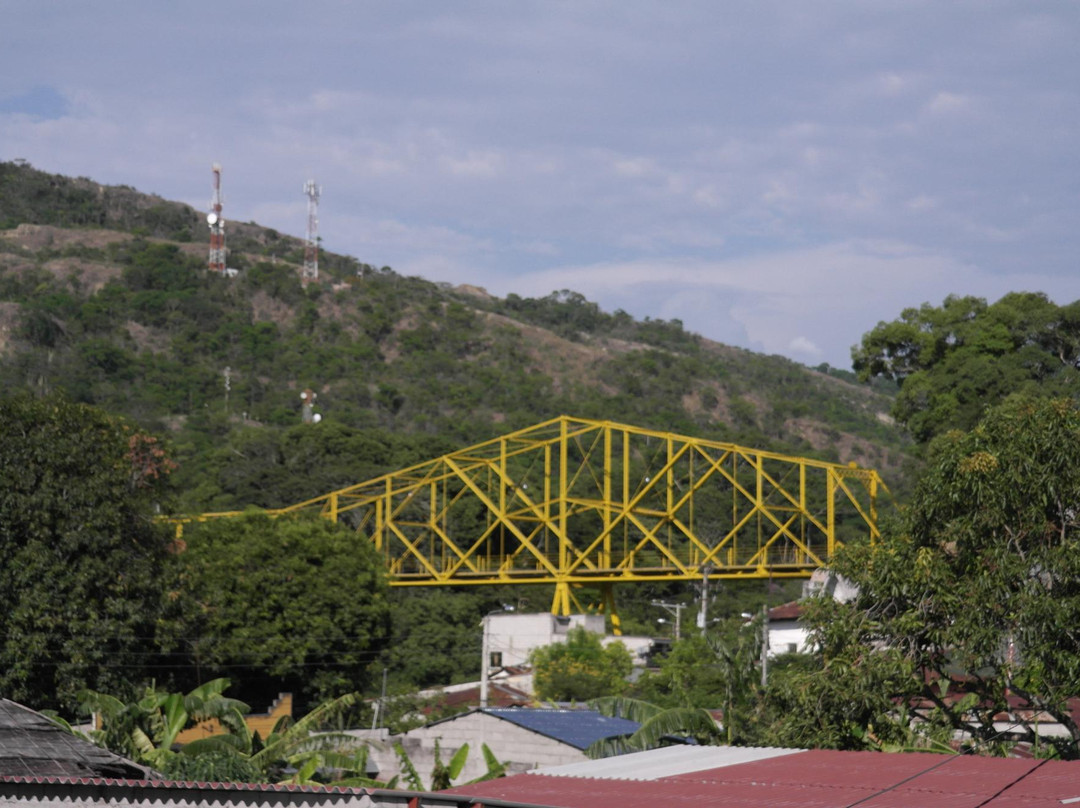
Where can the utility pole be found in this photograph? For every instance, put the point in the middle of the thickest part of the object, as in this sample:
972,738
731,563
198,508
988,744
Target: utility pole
673,609
764,645
377,713
485,652
702,618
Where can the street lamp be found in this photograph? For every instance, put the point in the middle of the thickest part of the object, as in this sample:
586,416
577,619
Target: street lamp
675,609
485,652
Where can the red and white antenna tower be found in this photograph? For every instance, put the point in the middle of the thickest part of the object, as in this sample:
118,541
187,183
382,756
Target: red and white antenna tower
217,226
310,272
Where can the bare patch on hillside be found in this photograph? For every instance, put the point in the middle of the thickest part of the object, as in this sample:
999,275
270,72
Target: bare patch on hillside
91,275
473,291
556,357
390,348
710,400
42,236
849,448
338,309
267,309
147,338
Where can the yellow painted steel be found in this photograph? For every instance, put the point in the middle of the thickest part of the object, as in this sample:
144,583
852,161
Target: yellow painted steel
575,502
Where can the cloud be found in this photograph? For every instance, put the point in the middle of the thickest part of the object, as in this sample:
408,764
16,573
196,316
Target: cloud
776,177
812,304
946,103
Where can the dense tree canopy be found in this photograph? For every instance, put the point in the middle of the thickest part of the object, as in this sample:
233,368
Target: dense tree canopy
969,606
84,570
580,668
953,360
282,605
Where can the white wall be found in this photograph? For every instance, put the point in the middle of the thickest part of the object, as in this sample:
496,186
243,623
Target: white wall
524,749
516,635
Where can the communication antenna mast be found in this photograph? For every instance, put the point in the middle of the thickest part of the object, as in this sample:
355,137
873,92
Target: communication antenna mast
307,407
217,225
310,272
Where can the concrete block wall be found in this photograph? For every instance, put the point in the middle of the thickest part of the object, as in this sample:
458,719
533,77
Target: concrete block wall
524,749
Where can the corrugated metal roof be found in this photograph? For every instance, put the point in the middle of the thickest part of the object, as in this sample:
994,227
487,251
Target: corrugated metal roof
666,762
786,611
578,728
814,779
31,744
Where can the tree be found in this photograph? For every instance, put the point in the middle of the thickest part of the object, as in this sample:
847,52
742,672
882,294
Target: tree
954,360
659,725
146,730
84,570
581,668
283,604
436,636
687,676
969,605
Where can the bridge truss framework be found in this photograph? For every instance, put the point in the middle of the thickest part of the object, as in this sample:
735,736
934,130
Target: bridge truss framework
574,502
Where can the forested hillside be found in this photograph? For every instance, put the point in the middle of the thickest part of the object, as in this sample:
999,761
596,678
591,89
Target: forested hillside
105,300
103,295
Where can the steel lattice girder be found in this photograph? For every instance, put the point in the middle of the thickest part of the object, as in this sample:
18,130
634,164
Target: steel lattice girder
572,501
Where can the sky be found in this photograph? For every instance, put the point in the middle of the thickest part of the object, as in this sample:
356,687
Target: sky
779,175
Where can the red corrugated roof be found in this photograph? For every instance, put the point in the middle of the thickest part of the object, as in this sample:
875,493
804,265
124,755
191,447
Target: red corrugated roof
786,611
814,779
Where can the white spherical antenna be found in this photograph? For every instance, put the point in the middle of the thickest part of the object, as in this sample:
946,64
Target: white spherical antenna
211,218
316,418
303,396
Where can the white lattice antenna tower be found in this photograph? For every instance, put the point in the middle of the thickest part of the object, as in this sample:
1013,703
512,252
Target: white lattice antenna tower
310,272
217,225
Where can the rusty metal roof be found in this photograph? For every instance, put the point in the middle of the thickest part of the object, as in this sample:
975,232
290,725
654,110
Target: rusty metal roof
814,779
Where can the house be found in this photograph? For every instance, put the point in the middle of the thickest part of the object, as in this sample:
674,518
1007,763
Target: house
786,633
514,635
56,770
525,738
738,777
501,693
32,745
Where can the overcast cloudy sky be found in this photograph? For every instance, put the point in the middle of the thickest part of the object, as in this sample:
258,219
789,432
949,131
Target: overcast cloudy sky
777,175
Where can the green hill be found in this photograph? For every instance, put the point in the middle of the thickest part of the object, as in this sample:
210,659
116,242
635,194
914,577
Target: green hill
104,295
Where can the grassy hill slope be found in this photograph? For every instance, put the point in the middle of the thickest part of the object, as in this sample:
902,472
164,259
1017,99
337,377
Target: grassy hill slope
104,295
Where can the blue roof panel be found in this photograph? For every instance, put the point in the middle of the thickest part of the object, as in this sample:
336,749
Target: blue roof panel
578,728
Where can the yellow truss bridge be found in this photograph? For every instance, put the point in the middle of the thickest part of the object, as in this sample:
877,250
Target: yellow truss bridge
573,501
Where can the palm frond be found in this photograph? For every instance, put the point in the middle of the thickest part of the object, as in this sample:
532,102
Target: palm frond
678,721
610,747
215,743
623,707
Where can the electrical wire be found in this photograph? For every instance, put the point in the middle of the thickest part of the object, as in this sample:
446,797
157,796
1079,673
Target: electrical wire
950,759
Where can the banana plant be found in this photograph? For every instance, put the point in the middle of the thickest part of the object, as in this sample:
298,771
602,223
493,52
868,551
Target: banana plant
444,774
146,730
291,744
656,724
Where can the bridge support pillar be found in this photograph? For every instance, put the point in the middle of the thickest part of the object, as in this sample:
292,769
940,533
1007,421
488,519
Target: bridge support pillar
608,608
